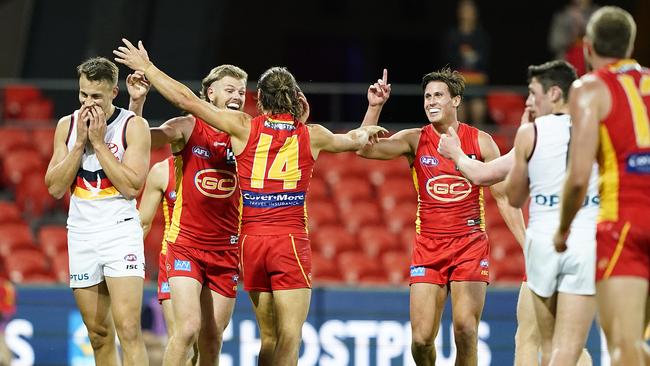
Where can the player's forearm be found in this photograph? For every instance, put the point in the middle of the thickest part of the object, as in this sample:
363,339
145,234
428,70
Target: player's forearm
60,177
357,139
572,198
175,92
513,218
372,115
473,170
137,105
125,179
146,226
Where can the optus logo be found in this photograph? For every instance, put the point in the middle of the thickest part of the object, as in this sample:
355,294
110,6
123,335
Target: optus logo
216,183
448,188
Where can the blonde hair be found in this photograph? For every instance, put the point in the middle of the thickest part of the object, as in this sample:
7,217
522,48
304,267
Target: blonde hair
219,73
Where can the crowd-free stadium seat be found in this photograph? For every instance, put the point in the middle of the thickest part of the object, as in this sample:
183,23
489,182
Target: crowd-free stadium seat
19,162
53,240
348,190
44,138
395,190
381,170
28,265
407,238
361,214
396,265
14,235
324,270
318,189
12,138
340,166
32,196
401,216
356,267
321,213
40,110
9,213
60,267
376,239
15,98
331,239
505,107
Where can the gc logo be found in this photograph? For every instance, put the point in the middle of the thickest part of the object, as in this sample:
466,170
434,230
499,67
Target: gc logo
448,188
216,183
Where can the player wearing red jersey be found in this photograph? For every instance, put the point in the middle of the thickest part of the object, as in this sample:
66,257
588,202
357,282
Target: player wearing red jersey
451,251
276,153
202,260
609,109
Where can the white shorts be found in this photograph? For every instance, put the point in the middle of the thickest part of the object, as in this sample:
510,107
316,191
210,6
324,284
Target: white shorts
571,272
116,252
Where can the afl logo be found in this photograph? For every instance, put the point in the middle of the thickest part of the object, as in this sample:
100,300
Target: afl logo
428,160
130,257
216,183
448,188
112,148
201,152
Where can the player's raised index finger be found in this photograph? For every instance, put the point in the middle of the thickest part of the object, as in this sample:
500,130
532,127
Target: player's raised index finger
128,43
385,76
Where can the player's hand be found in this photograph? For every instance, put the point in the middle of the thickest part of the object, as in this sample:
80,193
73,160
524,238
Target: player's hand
379,92
82,125
528,116
135,58
305,107
374,132
97,126
449,145
137,85
559,241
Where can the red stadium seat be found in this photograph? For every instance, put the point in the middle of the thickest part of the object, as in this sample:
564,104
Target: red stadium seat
321,213
250,106
351,189
401,216
395,190
13,236
361,214
45,138
340,166
38,110
318,189
381,170
61,268
16,96
506,107
331,239
356,268
32,196
159,154
9,213
407,239
510,269
12,138
376,240
29,265
324,271
53,240
17,163
396,265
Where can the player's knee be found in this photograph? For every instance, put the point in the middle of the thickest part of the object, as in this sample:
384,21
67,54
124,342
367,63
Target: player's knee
465,331
188,330
128,330
100,337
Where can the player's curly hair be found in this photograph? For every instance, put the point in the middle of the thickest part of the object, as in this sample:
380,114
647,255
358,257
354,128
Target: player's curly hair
454,80
99,69
279,92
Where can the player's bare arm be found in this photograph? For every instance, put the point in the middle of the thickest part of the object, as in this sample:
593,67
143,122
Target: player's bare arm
127,176
589,103
153,192
478,172
138,87
403,143
65,163
234,123
323,139
378,94
512,216
517,185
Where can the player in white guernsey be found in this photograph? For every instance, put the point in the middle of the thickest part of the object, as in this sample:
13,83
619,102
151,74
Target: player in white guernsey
542,102
101,155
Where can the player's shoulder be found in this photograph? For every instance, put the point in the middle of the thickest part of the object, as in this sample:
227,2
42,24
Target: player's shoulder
409,133
586,83
158,173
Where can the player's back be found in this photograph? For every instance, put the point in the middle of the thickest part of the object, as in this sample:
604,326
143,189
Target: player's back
448,203
206,213
624,153
274,171
547,172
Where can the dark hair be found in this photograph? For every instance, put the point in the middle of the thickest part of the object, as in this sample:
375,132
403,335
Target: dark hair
612,31
279,92
219,73
554,73
454,80
99,69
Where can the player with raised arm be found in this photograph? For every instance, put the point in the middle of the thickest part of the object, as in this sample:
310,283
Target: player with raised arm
275,156
451,252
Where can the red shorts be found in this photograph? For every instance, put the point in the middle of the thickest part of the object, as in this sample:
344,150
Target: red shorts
623,249
275,262
163,284
442,260
218,269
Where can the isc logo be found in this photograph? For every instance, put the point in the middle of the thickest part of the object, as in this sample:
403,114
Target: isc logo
448,188
216,183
